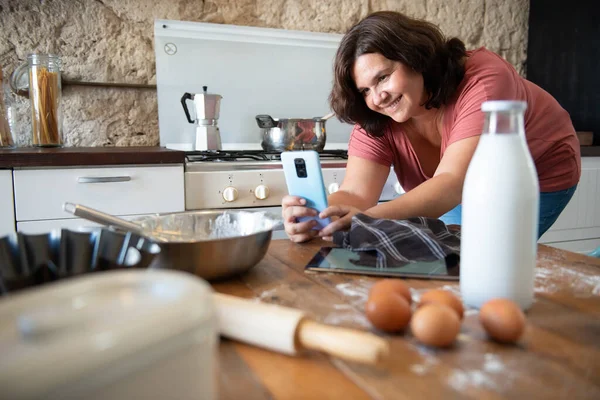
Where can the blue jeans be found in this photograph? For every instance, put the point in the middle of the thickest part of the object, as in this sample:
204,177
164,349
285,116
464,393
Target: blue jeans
551,205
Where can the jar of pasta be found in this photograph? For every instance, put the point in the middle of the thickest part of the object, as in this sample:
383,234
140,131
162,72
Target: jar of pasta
6,139
45,94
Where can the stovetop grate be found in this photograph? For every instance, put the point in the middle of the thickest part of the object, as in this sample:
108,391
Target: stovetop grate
252,155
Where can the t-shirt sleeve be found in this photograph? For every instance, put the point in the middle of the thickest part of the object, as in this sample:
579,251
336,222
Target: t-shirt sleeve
495,81
372,148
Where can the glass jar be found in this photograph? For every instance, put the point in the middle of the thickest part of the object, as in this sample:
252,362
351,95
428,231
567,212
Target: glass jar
45,93
6,138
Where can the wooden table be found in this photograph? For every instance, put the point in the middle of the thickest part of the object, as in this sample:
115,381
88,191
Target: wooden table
558,357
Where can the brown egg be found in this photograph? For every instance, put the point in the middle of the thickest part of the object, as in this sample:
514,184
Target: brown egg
435,324
388,311
443,297
503,320
392,285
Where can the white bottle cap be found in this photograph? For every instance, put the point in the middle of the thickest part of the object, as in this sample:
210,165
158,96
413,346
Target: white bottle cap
503,105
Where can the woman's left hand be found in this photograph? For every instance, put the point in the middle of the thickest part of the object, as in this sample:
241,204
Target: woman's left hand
342,218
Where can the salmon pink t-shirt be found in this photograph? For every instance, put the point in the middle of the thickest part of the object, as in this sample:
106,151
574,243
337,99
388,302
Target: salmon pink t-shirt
550,134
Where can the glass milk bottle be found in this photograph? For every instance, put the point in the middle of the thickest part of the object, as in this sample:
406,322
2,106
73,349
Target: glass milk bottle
500,206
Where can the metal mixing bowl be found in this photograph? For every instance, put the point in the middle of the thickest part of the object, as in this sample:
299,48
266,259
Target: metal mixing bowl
214,244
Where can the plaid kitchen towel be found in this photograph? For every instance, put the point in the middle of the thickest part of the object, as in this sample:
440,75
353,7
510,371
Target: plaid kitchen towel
388,243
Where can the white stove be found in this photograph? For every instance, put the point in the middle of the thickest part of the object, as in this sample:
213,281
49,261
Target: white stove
255,179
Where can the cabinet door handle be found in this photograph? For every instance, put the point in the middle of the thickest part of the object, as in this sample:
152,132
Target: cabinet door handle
103,179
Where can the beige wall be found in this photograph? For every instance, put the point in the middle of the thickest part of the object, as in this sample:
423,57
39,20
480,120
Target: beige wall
112,41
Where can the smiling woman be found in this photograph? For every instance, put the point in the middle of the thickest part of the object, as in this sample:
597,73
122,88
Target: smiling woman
424,63
415,99
388,87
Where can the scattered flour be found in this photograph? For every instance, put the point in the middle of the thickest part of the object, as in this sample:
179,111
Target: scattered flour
553,280
493,364
455,289
471,311
459,380
492,367
267,295
416,294
484,376
423,368
347,314
357,292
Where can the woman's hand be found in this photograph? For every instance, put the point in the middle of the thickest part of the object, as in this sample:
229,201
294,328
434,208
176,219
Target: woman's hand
342,218
292,208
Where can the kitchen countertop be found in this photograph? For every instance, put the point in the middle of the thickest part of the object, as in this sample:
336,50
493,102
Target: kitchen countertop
88,156
24,157
558,357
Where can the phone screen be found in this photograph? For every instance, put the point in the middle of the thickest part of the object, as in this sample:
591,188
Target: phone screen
332,259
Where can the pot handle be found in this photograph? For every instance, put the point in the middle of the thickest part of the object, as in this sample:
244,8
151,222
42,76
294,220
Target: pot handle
187,96
265,121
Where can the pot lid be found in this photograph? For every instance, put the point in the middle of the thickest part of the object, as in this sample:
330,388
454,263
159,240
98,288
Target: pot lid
63,336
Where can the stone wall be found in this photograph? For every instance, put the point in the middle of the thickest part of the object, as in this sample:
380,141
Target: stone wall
112,41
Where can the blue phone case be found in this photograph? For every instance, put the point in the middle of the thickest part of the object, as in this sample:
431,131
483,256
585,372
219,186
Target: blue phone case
306,182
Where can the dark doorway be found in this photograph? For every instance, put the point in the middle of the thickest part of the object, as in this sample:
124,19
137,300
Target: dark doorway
563,57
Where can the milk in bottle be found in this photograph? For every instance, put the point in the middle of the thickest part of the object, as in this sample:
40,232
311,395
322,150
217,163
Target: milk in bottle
500,206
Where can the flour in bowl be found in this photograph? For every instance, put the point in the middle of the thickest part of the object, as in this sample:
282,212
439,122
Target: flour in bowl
224,227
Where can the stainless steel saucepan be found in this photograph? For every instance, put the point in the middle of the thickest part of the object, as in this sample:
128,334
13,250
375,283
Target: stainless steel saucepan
292,133
209,244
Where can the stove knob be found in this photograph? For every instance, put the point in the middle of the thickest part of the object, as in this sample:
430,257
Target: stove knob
398,189
333,187
261,192
230,194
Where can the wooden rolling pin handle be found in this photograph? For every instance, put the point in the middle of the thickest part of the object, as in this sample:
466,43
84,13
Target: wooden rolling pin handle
348,344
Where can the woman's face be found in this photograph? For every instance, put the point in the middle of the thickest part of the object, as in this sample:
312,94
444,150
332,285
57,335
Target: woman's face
389,87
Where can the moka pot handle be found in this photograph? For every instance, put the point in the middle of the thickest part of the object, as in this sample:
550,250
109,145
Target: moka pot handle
187,96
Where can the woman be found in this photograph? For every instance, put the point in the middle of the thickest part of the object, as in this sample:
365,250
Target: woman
415,100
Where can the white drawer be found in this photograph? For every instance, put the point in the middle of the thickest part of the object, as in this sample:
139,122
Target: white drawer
74,224
40,193
7,213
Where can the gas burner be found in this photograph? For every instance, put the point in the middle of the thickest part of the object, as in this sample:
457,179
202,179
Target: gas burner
227,155
252,155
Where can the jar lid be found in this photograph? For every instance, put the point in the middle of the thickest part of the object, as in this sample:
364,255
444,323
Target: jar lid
79,332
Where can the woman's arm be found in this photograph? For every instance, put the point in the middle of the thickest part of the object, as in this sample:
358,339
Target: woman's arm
439,194
362,184
433,198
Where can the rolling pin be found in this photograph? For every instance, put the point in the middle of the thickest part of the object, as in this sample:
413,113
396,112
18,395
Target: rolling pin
289,331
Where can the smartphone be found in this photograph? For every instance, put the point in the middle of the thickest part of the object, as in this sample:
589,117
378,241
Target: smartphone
335,259
304,178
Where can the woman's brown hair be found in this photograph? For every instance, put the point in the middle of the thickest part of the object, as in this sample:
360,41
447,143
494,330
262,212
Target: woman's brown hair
418,44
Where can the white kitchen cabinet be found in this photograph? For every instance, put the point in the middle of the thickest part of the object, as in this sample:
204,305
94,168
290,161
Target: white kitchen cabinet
7,207
578,227
124,190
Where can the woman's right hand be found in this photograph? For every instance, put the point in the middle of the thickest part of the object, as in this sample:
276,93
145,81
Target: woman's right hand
292,208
